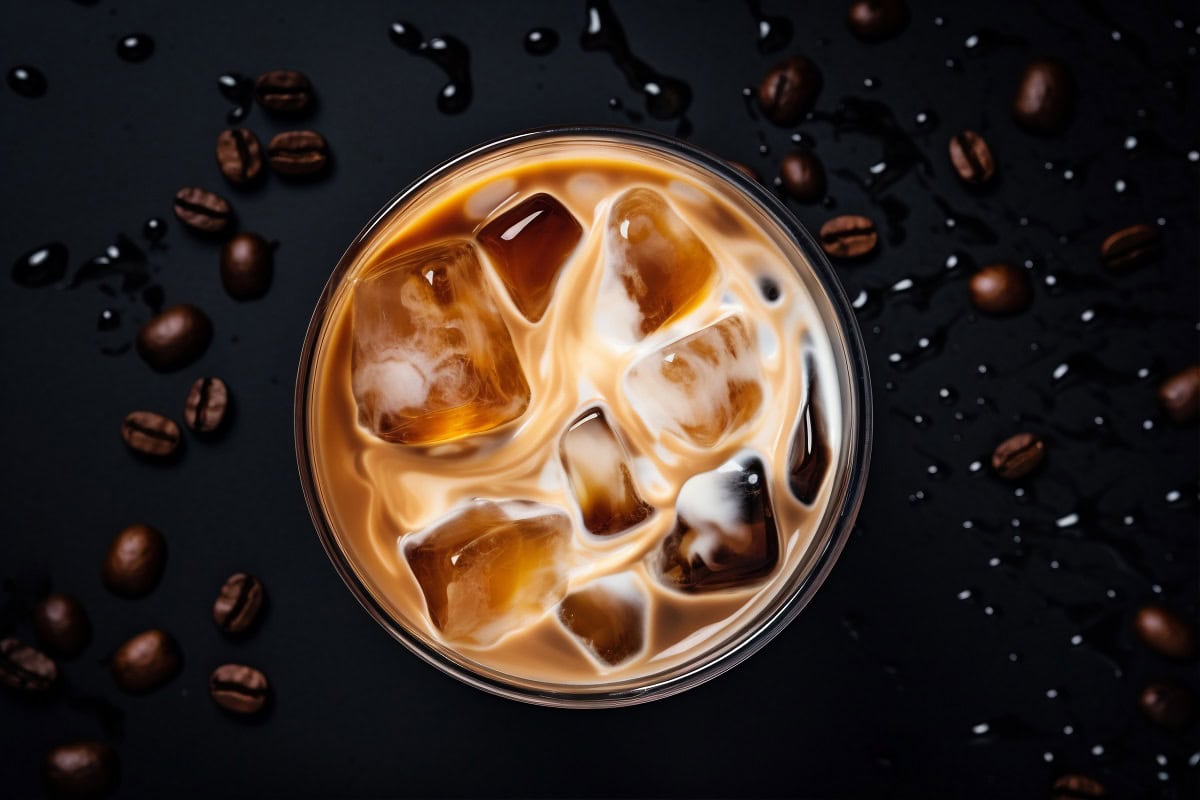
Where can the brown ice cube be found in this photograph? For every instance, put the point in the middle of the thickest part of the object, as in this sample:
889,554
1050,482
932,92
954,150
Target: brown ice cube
529,244
491,567
598,471
608,617
724,534
433,360
702,387
809,455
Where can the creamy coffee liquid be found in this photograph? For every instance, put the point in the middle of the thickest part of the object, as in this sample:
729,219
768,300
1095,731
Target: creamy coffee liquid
573,415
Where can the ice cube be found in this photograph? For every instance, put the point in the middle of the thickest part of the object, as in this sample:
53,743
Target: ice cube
809,456
433,360
657,269
724,533
608,616
528,245
490,567
701,388
598,471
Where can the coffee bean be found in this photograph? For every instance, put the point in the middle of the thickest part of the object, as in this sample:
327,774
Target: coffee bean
239,156
206,404
146,661
174,338
1179,394
26,668
62,625
1045,97
238,688
238,603
1166,632
150,435
247,264
848,236
1076,787
298,153
876,20
789,90
1131,247
135,560
1168,705
803,176
1017,456
1000,289
971,157
745,170
202,210
79,769
284,91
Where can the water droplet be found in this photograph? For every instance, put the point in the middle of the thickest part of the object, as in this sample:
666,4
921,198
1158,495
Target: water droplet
971,42
27,81
1116,36
540,41
1193,156
1076,640
154,229
1120,186
1067,521
1131,142
1068,730
109,319
1088,315
975,466
1052,694
41,266
871,83
1098,750
981,729
1047,756
135,47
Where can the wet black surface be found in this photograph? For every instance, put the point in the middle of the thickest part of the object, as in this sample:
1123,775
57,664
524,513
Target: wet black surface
974,638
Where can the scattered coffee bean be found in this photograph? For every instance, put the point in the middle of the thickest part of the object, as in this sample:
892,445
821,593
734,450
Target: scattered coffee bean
202,210
1179,394
1076,787
26,668
239,156
1166,632
238,688
79,769
1017,456
151,435
1045,97
146,661
745,170
1000,289
62,625
803,176
876,20
174,338
284,91
298,153
247,264
135,561
789,90
206,404
238,603
971,157
848,236
1131,247
1168,705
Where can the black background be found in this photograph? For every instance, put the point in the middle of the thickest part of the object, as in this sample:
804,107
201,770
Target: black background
876,689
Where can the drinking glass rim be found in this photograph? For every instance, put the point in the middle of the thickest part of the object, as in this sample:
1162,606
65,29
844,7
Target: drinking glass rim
858,444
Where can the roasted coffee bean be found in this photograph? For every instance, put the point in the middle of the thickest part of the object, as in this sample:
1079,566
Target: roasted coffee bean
1168,705
803,177
1076,787
238,688
848,236
1166,632
151,435
239,156
876,20
135,561
207,402
1179,394
297,153
146,661
174,338
971,157
284,91
745,170
1017,456
247,264
26,668
1045,97
62,625
238,603
79,769
789,90
1131,247
202,210
1000,289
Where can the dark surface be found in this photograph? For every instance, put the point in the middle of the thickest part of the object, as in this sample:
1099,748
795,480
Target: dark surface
876,689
